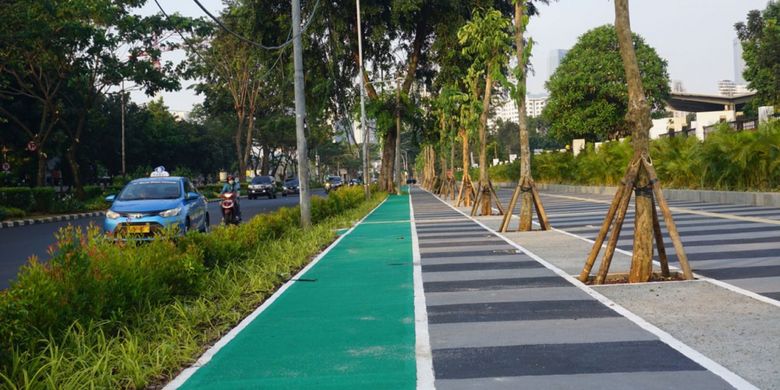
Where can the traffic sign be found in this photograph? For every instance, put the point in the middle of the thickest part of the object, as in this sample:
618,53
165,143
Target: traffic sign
6,167
31,146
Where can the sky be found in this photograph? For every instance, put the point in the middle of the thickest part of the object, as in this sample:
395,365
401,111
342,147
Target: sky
694,36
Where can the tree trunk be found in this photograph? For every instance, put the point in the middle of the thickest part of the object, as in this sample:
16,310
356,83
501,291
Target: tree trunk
74,168
41,176
638,117
239,149
466,166
388,161
483,168
526,203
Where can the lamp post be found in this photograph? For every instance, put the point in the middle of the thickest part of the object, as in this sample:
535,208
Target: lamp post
366,137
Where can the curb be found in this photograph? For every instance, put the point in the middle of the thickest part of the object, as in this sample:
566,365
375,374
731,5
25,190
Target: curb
55,218
59,218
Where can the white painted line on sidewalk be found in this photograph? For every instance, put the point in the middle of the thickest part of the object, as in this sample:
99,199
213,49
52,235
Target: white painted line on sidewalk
726,374
727,286
206,357
423,353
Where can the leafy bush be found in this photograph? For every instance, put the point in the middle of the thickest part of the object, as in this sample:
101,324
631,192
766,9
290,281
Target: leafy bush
725,160
92,192
43,198
17,197
96,290
11,213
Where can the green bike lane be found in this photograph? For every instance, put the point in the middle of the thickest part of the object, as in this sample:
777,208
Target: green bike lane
347,322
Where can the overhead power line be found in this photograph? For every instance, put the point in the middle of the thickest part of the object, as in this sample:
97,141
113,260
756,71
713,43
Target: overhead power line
251,42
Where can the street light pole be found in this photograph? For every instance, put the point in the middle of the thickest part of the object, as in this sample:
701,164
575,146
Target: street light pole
300,117
366,138
397,163
124,167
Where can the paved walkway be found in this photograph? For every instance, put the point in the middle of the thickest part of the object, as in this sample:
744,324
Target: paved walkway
720,243
501,320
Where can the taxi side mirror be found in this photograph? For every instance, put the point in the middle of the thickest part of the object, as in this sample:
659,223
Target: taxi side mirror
192,196
110,198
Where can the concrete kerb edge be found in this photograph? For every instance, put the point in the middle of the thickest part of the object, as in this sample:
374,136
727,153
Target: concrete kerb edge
188,372
714,367
50,219
764,199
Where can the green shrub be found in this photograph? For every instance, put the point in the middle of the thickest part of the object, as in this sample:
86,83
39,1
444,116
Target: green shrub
11,213
17,197
92,192
43,199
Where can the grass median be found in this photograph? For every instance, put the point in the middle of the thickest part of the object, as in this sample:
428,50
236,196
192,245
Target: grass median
84,320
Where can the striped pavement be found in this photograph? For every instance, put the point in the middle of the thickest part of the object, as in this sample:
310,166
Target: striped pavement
499,319
719,242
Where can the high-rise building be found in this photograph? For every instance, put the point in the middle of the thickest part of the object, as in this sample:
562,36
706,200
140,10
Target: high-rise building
739,63
506,110
556,56
727,87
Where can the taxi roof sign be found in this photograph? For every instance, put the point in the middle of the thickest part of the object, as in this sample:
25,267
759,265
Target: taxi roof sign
159,172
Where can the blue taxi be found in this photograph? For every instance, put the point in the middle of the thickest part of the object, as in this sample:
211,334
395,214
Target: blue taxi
146,206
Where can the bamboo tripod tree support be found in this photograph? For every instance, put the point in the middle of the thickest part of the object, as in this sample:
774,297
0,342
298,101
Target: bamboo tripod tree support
524,186
447,187
617,214
466,192
486,190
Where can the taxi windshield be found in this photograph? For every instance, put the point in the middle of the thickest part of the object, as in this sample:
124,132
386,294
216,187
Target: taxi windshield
151,190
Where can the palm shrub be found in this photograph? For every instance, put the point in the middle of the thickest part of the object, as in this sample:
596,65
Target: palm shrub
678,162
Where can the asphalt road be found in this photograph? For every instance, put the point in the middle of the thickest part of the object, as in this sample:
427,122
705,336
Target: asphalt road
18,244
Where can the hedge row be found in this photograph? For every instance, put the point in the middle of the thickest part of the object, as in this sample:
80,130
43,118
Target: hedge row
44,199
91,278
725,160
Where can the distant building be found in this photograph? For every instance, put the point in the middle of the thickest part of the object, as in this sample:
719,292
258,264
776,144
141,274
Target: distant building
727,88
556,56
677,86
739,63
181,115
506,110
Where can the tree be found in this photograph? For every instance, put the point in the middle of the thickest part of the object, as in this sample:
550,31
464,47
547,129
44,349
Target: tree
588,92
760,39
485,39
525,185
640,178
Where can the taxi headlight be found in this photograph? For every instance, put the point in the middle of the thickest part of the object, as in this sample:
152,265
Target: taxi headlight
110,214
171,212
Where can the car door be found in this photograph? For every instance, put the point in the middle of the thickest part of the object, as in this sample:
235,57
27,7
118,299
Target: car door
197,211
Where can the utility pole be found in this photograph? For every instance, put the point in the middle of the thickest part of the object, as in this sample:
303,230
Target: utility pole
300,117
366,137
397,163
124,167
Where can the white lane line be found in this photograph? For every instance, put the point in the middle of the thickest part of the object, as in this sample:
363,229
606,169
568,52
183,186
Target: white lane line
726,374
423,354
684,210
206,357
727,286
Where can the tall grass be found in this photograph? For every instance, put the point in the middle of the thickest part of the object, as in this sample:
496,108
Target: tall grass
148,342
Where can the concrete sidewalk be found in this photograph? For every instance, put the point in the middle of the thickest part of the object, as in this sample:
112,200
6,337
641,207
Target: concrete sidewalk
735,335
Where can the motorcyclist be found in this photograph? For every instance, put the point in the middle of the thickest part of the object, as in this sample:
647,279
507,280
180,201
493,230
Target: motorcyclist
232,185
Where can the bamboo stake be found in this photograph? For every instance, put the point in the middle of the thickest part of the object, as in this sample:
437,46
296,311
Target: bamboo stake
540,213
659,241
625,185
510,207
670,226
498,201
606,261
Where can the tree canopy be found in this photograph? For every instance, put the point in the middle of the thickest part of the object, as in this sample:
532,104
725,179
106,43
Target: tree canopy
760,38
588,91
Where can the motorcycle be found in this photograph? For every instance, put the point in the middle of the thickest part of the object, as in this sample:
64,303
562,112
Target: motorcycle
229,211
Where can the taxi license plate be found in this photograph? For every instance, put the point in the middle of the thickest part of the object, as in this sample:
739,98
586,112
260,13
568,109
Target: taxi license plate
138,229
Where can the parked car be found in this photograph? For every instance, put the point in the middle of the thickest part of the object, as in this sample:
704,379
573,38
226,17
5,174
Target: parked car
291,186
146,206
333,183
411,180
355,182
262,186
